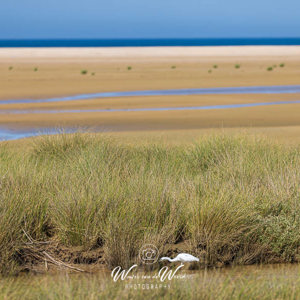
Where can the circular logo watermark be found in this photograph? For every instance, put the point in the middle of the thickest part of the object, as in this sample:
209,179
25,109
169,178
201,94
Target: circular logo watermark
149,254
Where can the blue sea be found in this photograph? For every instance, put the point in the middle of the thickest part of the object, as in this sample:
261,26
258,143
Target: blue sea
149,42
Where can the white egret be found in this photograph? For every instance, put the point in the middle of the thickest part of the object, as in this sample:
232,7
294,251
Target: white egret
182,257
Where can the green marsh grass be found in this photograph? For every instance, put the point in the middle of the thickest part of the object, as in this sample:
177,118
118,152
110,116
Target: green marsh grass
233,200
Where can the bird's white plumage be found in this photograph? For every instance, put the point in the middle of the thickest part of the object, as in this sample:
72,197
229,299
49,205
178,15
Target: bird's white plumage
182,257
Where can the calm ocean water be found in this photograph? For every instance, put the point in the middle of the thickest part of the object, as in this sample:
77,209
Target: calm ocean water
149,42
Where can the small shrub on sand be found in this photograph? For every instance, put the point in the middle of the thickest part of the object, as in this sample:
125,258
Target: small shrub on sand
173,67
35,69
215,66
83,72
282,65
129,68
10,68
270,69
237,66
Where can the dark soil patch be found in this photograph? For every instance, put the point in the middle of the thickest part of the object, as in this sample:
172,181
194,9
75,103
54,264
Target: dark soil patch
44,257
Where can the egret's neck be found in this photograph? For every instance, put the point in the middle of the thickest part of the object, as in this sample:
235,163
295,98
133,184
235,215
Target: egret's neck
167,258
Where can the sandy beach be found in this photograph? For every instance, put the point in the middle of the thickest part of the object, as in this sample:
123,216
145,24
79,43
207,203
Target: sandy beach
58,70
150,52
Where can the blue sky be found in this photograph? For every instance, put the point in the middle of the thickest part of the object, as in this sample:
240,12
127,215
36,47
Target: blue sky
21,19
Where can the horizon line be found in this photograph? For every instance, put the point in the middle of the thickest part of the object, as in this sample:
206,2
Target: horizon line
146,38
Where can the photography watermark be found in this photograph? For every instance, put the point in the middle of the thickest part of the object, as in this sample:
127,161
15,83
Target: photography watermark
164,274
148,254
161,279
147,286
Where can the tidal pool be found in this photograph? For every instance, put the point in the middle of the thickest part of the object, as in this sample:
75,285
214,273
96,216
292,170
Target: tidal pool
280,89
207,107
7,134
